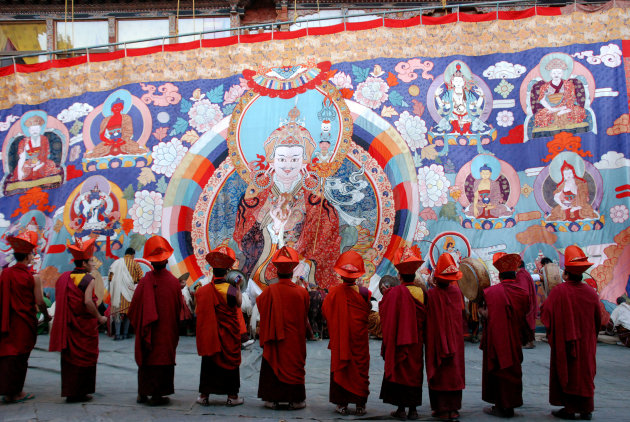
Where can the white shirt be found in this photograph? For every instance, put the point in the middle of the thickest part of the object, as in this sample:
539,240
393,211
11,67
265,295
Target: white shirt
621,316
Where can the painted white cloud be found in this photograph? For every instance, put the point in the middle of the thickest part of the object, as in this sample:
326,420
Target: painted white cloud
504,70
612,160
610,55
74,112
8,121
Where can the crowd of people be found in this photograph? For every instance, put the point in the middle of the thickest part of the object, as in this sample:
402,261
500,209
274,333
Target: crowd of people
421,326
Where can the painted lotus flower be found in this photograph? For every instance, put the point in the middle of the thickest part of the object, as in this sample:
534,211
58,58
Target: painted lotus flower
167,156
619,213
203,115
421,231
433,185
146,212
372,92
505,118
233,94
342,80
413,130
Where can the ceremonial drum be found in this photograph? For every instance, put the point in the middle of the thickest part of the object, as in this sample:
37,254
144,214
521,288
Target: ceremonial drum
237,279
386,282
552,276
475,278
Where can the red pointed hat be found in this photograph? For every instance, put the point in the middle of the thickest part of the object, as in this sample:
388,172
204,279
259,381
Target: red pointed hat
505,262
82,250
447,269
23,242
157,249
575,260
408,259
350,265
221,257
285,260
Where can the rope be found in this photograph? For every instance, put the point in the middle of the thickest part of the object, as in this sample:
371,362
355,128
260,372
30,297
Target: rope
65,21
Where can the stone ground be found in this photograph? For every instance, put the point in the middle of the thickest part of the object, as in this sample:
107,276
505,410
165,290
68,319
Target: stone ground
116,388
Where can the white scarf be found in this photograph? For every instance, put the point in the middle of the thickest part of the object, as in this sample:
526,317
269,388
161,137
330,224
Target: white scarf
122,283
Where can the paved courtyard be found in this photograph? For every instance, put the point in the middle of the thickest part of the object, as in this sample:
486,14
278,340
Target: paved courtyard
116,388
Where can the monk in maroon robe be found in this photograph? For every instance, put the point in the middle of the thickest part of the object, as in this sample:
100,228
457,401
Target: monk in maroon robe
20,296
403,316
444,341
283,308
218,331
506,305
346,309
154,314
572,317
526,282
75,327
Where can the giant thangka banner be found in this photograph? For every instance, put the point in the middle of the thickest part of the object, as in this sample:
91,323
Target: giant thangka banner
467,137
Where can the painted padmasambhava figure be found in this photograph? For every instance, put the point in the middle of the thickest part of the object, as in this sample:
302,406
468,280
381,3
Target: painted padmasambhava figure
288,208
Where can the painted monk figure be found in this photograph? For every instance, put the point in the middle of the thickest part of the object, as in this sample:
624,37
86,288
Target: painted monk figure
218,331
526,282
347,308
403,316
75,327
444,341
283,310
572,317
154,314
505,310
20,298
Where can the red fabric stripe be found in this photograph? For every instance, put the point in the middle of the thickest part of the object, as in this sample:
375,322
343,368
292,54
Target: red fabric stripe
191,45
404,23
360,26
482,17
133,52
625,46
441,20
326,30
253,38
290,35
103,57
220,42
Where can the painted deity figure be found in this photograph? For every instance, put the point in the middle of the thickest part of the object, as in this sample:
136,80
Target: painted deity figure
572,197
461,104
287,209
94,205
34,152
487,200
559,99
116,134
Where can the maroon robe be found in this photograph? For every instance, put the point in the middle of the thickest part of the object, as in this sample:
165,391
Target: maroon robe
154,314
283,308
572,317
444,346
18,327
346,309
502,382
402,322
75,334
218,339
525,281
